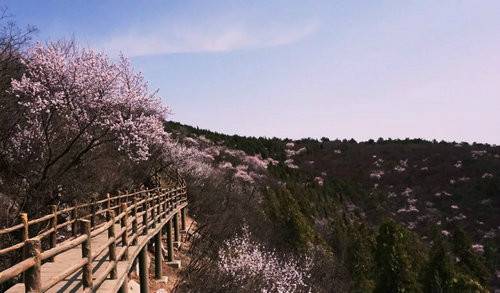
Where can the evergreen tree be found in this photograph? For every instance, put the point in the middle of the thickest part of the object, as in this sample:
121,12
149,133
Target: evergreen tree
492,255
438,273
394,264
468,261
360,258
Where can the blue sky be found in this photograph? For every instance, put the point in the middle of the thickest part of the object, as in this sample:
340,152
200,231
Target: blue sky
342,69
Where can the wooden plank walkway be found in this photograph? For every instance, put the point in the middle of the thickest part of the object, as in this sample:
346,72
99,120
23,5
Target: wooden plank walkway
66,260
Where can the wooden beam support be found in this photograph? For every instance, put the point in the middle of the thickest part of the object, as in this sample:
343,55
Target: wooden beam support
143,270
158,256
170,244
183,219
176,228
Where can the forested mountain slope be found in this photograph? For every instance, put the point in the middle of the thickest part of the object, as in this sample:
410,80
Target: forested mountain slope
348,198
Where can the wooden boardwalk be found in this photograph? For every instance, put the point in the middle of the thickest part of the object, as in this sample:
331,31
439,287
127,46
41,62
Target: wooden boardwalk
72,260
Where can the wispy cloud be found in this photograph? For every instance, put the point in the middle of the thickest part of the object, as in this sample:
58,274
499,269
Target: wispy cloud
197,40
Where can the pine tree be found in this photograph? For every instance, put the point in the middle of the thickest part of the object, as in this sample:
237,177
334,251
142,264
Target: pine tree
394,264
439,272
492,255
360,258
469,262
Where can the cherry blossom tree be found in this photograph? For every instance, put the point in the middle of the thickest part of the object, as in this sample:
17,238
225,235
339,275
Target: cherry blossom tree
245,260
189,161
72,103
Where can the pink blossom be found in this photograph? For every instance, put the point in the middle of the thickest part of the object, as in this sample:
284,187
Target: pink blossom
377,174
256,162
410,209
319,180
243,175
487,175
225,165
188,161
204,139
407,192
478,248
242,167
290,164
190,140
88,99
272,161
235,153
478,153
244,260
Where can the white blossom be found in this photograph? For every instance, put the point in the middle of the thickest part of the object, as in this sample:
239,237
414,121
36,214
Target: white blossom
244,260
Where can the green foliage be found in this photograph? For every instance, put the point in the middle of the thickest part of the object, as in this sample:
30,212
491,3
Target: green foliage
469,262
360,258
342,215
492,255
464,283
438,275
396,269
285,212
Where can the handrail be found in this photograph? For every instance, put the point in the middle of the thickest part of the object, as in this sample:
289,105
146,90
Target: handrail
68,222
150,205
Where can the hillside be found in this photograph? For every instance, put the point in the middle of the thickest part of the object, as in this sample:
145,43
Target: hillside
335,194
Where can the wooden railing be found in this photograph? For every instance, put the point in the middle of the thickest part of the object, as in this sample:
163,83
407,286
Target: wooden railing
135,212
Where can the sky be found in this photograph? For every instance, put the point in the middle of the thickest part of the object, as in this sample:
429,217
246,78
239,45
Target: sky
340,69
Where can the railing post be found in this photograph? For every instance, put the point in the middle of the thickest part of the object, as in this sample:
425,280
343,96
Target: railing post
92,212
183,219
153,212
53,234
158,203
176,229
170,244
134,221
158,260
74,217
165,205
112,245
119,202
108,206
143,270
170,202
172,199
124,222
24,235
25,231
145,216
86,253
32,277
126,192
